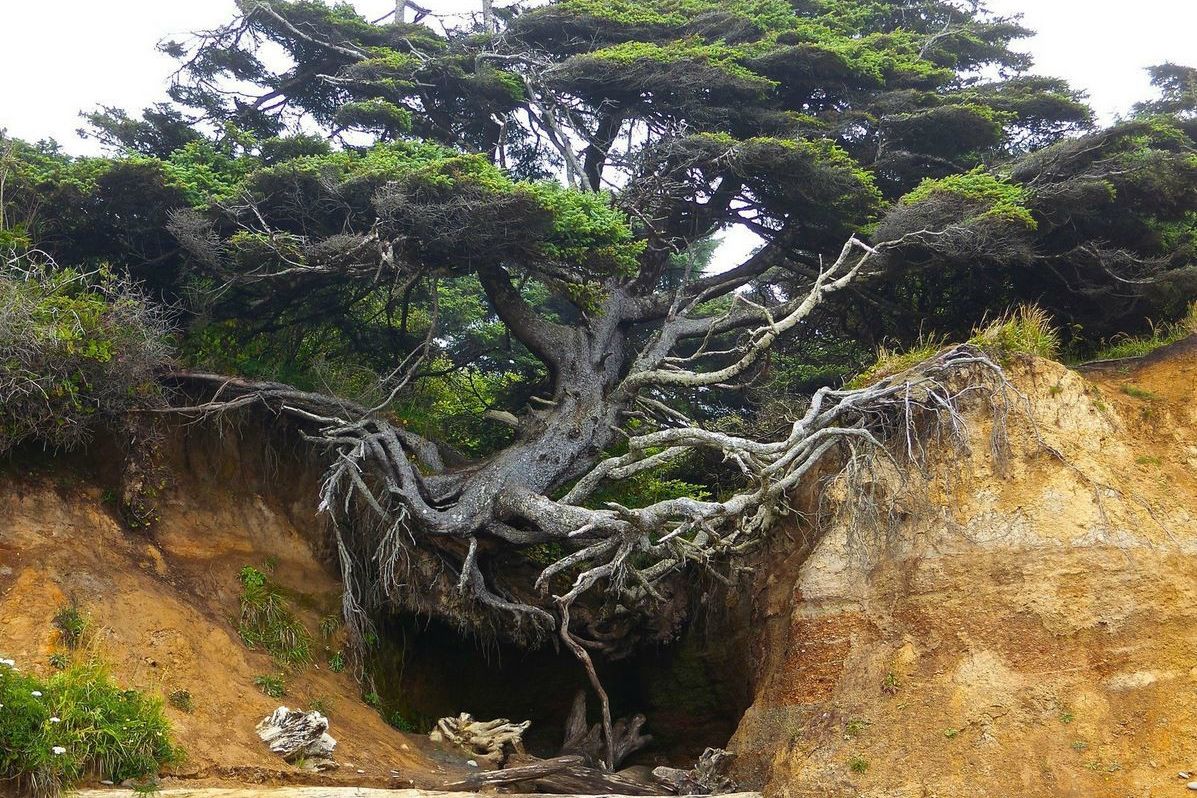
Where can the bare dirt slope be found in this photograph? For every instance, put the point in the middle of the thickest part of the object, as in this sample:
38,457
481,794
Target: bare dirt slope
162,606
1032,633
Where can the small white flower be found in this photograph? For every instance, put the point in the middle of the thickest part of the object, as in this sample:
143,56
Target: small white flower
58,750
36,694
55,720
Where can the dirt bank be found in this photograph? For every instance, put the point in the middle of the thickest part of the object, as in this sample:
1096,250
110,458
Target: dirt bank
1030,630
162,606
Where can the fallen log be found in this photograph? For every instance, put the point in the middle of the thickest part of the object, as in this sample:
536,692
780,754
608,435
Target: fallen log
563,774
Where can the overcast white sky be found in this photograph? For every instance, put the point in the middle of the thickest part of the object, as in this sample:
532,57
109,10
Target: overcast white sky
63,56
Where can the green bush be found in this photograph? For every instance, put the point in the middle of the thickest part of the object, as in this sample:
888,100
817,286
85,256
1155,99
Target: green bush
78,350
77,723
266,620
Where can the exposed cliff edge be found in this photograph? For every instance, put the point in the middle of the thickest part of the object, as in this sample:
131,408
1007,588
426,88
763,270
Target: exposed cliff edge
1023,627
162,607
1027,630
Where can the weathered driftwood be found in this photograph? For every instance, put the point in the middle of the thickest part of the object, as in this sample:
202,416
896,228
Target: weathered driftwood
296,736
707,777
580,738
562,774
531,771
485,741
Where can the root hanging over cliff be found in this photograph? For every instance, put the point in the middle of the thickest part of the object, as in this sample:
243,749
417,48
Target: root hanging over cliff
412,532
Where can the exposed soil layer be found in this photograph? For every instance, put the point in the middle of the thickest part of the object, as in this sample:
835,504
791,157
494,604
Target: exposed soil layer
162,607
1027,629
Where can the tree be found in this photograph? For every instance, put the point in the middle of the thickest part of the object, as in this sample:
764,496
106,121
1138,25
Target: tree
535,192
1178,91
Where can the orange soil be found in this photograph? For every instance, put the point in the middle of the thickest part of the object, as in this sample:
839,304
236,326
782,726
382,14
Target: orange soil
1031,632
162,611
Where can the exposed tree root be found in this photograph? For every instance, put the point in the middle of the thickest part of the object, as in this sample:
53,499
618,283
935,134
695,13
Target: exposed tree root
412,532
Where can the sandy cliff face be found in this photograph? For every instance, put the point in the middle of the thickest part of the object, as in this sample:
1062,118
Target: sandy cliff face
1026,633
1025,628
163,606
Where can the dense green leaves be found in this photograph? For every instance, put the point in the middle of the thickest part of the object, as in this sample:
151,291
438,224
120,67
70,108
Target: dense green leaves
55,731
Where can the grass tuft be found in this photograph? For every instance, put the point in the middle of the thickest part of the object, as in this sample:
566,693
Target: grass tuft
1136,392
266,620
894,361
71,624
77,722
1025,330
1125,346
273,686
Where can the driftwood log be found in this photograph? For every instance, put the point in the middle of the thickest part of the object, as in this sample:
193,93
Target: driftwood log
485,741
587,740
563,774
707,777
299,736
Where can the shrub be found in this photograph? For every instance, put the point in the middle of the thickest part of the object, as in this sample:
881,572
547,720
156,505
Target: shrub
75,723
336,661
266,620
80,349
398,721
71,624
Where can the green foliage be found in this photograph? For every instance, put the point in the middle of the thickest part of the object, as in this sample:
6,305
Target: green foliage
59,661
76,351
1026,330
374,114
372,699
77,722
987,195
398,721
266,620
858,765
71,625
273,685
587,230
336,661
689,52
1125,346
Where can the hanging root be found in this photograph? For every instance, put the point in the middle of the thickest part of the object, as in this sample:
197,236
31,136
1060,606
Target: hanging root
411,534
